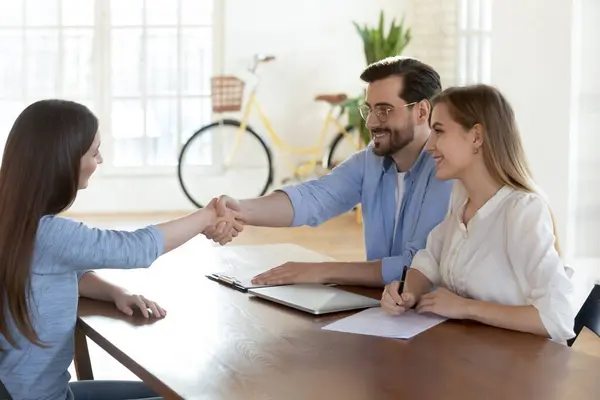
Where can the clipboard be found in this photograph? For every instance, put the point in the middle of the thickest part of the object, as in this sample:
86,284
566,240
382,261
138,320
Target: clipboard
228,281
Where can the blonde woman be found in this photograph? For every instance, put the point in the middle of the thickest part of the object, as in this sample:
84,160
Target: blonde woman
495,257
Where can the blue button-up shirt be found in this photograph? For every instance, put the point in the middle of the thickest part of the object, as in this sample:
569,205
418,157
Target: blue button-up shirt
371,180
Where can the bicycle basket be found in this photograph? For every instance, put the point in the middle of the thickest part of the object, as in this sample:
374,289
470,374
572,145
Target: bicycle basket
227,93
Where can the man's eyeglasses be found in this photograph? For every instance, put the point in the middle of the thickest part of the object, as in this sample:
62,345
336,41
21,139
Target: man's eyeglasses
381,112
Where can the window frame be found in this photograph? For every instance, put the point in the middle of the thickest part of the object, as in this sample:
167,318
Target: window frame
466,33
101,87
108,169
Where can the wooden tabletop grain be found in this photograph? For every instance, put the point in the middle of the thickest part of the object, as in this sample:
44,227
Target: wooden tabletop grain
217,343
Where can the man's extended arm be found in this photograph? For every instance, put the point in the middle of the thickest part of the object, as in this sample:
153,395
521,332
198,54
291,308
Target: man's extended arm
308,203
272,210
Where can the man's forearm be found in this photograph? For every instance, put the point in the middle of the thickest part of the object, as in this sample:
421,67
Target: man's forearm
272,210
94,287
364,273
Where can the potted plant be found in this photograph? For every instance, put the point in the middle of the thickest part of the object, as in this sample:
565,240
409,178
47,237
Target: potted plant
377,44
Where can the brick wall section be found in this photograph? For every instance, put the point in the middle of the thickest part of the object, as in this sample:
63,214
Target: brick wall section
434,25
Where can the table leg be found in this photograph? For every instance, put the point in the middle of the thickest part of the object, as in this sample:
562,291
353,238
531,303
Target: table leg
83,364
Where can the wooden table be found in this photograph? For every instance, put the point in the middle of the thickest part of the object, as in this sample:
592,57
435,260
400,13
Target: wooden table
217,343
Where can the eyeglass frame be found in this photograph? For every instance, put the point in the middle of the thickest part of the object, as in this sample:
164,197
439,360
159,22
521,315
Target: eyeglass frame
378,115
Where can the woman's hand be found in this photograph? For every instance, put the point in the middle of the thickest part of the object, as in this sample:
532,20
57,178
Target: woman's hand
444,303
125,302
394,303
227,222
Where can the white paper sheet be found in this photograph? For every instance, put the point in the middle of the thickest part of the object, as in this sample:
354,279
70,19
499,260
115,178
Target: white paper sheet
375,322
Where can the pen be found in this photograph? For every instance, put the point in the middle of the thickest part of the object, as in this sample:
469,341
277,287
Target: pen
227,281
402,280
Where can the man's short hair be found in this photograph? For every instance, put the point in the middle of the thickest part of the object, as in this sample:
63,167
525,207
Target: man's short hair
420,81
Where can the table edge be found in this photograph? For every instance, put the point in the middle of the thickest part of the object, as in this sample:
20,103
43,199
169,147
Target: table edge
148,378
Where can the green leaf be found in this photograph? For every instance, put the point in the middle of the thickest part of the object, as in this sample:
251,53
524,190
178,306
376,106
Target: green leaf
393,41
381,23
360,31
369,55
379,44
377,39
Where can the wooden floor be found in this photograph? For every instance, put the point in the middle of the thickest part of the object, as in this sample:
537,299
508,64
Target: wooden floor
340,238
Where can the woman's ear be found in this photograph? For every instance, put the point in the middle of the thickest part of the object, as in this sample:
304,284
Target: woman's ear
477,134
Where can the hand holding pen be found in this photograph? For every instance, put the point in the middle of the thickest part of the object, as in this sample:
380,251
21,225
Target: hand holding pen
394,299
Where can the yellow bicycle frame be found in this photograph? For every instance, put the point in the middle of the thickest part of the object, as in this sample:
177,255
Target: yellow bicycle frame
315,151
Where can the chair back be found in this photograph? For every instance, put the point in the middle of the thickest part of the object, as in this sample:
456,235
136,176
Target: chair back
588,315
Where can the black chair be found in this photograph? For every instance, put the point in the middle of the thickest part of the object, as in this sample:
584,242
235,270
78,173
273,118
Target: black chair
4,395
588,315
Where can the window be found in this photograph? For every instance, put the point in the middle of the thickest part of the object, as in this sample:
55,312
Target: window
474,49
143,66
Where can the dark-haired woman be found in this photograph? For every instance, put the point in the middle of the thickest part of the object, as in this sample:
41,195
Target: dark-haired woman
51,152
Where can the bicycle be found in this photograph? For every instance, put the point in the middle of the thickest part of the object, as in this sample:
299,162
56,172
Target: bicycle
201,162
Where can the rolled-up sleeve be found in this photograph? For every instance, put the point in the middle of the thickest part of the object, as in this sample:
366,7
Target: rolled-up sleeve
391,267
335,193
80,273
538,266
427,260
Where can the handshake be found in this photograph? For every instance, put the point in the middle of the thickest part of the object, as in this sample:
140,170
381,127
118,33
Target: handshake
228,220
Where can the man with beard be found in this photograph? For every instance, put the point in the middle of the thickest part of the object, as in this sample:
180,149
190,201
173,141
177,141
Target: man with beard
393,178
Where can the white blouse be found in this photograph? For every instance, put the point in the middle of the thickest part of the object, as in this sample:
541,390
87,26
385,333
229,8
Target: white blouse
505,255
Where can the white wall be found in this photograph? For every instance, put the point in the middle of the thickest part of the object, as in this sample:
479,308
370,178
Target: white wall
317,50
532,65
588,162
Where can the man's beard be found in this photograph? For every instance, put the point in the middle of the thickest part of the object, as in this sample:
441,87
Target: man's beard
397,140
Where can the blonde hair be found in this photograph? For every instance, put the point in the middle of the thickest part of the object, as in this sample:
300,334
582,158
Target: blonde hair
503,152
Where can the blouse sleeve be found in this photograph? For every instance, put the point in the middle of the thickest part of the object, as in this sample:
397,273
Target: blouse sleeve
64,245
537,265
427,260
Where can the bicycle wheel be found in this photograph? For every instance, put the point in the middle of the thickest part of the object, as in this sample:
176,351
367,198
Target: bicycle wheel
342,146
220,159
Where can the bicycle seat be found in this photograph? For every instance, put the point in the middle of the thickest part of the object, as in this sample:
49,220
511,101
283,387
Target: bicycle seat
332,98
264,57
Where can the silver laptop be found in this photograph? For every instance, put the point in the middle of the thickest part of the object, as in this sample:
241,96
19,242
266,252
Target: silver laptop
313,298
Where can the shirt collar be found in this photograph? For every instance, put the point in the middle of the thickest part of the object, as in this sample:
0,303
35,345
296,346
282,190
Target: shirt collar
489,207
388,161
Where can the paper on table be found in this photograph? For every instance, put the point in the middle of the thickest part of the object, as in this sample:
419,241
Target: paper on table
375,322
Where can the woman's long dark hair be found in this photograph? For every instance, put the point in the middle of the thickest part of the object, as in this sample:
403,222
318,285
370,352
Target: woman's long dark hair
39,176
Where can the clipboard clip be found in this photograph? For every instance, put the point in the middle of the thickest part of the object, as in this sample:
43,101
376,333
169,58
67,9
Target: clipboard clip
227,281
